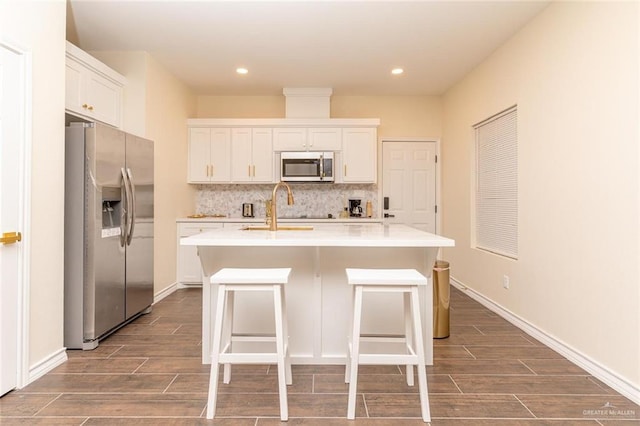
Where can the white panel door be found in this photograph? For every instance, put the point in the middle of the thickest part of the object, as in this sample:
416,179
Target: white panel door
11,101
409,181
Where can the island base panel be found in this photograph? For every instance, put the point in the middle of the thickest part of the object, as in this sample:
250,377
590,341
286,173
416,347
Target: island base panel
318,296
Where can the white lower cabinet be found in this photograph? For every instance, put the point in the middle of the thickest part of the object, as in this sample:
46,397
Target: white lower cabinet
189,270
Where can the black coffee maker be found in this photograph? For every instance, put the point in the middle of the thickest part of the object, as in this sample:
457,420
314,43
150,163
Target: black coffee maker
355,207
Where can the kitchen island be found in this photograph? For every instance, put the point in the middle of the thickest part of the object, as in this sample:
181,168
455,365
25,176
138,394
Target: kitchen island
318,297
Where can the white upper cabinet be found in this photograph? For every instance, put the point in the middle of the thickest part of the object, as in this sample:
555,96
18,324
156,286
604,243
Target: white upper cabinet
244,150
325,139
252,155
359,155
307,139
92,90
209,152
290,139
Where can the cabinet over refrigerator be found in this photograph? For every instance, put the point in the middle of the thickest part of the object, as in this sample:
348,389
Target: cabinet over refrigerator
108,250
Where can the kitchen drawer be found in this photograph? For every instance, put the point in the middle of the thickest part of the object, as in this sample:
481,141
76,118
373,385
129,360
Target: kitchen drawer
193,228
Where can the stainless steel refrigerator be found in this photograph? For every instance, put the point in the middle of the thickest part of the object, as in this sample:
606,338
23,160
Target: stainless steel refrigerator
108,259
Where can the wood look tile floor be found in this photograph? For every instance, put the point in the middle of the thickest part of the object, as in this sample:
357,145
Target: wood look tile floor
487,372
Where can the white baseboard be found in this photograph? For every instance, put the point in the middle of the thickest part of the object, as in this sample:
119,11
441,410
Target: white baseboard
602,373
189,285
46,365
164,292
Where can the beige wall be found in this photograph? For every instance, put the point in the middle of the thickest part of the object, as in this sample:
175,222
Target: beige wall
157,106
39,28
400,116
573,72
169,104
240,107
132,65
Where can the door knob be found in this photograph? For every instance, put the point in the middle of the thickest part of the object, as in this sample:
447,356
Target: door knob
10,237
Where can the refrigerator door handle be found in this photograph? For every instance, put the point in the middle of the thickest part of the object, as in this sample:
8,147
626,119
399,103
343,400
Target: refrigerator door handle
132,207
128,206
124,215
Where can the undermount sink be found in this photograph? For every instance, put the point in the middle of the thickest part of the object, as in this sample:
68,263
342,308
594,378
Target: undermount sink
280,228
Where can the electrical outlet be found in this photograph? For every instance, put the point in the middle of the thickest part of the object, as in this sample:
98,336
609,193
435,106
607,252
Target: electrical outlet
505,282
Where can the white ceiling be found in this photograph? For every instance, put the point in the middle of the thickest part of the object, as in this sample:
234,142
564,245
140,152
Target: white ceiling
350,46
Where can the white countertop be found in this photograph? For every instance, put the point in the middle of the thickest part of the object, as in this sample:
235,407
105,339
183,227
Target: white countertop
327,235
257,220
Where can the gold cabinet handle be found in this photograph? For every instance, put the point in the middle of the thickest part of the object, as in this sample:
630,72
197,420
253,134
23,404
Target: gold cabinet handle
345,169
211,170
85,106
254,170
10,237
249,170
90,108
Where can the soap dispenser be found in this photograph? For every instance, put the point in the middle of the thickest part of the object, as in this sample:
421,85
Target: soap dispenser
369,209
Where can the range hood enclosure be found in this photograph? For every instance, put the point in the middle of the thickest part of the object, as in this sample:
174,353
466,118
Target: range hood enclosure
307,102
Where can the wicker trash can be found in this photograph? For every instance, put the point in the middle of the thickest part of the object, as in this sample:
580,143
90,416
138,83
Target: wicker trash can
441,294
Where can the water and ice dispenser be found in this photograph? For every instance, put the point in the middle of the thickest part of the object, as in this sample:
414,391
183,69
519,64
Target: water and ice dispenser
111,212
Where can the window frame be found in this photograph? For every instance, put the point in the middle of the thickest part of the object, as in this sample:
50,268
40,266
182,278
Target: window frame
495,194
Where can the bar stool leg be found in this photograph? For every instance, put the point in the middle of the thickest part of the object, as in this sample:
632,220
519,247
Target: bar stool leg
282,380
419,348
215,352
355,353
227,332
287,357
347,368
408,334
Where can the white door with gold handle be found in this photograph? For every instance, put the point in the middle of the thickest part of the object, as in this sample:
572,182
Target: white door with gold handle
13,103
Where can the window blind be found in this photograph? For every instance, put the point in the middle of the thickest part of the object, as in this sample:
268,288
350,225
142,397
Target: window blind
497,184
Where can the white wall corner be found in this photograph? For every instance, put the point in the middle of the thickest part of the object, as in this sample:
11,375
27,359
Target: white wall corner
44,366
164,292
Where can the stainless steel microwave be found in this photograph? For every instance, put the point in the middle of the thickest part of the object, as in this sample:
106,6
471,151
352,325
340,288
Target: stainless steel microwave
307,166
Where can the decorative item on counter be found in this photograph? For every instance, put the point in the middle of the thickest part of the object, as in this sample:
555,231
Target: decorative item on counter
344,214
369,209
247,210
355,207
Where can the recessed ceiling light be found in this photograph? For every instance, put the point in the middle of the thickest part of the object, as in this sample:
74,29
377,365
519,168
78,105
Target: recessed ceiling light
397,71
242,70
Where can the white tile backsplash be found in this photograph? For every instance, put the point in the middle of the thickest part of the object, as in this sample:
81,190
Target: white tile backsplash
310,199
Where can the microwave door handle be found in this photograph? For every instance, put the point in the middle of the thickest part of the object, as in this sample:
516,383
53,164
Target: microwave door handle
321,167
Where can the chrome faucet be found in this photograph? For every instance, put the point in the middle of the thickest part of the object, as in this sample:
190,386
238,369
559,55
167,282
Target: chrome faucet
273,225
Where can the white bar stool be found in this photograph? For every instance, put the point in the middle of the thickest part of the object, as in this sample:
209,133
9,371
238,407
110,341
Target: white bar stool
229,281
405,281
